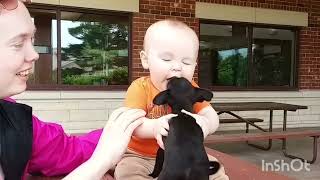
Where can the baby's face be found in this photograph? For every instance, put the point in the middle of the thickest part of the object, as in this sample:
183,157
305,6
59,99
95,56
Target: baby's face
171,52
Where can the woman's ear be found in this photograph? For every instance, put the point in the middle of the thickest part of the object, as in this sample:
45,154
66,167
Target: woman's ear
144,60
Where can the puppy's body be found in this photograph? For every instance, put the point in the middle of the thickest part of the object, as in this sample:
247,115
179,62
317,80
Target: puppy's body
184,157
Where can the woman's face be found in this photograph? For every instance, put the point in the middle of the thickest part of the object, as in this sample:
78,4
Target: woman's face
17,53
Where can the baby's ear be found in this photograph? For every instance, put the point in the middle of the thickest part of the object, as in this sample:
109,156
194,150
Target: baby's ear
144,60
161,98
202,95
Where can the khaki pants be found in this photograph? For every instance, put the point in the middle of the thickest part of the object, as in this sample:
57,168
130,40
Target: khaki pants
136,167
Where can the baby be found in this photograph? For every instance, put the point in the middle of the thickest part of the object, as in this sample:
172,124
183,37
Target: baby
170,50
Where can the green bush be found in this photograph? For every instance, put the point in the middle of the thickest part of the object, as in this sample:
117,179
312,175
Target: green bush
119,76
85,80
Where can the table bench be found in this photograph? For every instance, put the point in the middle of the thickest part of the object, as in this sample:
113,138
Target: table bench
283,135
231,108
237,120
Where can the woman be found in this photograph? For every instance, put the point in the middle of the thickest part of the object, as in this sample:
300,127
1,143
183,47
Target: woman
28,145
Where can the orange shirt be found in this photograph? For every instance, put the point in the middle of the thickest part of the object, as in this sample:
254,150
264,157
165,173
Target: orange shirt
140,95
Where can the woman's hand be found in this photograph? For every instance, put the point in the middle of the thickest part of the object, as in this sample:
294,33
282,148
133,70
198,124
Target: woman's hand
112,145
116,134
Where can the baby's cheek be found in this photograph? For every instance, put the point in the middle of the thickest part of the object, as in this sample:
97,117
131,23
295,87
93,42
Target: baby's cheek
188,74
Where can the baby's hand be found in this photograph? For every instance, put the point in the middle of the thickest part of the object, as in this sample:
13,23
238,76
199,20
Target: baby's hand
161,128
201,121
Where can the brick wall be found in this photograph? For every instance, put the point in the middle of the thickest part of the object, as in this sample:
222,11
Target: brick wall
309,68
184,10
152,11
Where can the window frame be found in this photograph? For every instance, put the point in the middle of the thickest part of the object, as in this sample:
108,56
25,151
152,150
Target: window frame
250,87
59,86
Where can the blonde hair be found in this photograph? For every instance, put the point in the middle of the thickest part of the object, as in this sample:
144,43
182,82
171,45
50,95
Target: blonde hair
172,23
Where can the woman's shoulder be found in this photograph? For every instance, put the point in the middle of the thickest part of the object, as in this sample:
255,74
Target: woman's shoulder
9,99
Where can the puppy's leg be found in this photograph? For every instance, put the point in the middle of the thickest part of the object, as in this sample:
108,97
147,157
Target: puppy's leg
159,162
214,166
220,175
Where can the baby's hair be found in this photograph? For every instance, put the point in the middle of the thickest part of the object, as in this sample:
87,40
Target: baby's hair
173,23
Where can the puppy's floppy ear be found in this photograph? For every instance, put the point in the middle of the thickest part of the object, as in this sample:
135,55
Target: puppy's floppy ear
161,98
202,95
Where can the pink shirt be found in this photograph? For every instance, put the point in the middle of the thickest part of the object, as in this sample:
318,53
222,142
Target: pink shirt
1,173
56,153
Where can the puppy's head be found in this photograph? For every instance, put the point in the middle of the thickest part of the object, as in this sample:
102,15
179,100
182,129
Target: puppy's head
180,94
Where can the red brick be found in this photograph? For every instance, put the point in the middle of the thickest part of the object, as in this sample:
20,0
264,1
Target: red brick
309,37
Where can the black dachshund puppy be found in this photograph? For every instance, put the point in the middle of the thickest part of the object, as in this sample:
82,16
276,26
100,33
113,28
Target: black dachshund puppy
184,157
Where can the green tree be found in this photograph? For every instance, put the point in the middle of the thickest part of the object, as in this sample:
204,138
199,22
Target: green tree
99,48
232,70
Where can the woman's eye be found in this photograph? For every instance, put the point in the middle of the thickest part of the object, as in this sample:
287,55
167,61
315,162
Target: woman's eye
18,45
166,59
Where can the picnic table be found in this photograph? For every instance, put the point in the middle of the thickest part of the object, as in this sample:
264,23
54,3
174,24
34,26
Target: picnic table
232,107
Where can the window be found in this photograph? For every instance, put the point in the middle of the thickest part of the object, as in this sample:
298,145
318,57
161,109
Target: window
244,56
80,49
272,53
45,39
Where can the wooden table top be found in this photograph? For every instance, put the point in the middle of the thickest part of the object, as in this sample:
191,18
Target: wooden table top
255,106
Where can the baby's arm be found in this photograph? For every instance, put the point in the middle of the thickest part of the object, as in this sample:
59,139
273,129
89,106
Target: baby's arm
208,120
145,130
136,97
154,128
211,117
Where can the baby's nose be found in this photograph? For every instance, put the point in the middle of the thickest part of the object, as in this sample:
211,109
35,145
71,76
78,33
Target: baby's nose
176,66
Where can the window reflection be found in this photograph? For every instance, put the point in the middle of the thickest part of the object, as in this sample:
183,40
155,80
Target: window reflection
44,70
94,49
272,56
246,56
223,55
